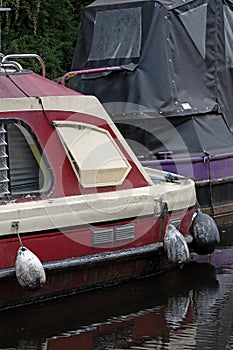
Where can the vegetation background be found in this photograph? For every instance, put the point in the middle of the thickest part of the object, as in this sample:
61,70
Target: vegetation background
48,28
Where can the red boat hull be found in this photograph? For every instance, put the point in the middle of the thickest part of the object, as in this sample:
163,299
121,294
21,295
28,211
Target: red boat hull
69,273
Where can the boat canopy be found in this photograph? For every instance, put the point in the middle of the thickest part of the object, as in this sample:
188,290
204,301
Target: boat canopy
176,60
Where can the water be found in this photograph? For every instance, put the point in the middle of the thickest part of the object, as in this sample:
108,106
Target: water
188,308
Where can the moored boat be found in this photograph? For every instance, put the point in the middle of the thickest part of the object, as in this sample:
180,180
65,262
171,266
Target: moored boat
163,70
78,210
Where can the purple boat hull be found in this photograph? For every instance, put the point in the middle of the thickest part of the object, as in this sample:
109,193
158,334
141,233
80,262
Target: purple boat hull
214,182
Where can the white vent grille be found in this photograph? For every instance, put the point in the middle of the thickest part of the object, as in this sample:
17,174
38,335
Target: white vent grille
102,236
113,234
3,162
124,232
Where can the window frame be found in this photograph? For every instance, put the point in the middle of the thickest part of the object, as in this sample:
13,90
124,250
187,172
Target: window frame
38,155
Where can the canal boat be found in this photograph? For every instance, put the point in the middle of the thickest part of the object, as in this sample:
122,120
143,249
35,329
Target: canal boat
78,210
163,70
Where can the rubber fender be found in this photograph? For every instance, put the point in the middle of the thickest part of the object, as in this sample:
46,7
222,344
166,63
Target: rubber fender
175,246
205,234
29,270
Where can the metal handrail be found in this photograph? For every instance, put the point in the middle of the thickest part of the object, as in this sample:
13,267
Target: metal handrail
88,71
12,64
25,55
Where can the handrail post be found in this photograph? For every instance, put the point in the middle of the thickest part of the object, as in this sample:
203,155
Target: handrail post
25,55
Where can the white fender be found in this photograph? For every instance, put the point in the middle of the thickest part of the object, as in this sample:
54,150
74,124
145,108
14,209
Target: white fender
29,270
175,246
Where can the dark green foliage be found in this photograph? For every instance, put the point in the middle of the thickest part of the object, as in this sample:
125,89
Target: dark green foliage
47,28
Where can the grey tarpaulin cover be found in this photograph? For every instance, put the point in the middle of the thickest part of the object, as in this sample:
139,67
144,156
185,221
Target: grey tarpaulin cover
177,77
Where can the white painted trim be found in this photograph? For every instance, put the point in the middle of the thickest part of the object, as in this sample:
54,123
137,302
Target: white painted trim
81,210
75,211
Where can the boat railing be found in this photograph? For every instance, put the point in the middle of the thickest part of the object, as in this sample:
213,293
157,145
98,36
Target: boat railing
12,65
7,63
89,71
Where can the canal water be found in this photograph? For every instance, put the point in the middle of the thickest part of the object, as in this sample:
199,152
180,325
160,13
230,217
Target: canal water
185,308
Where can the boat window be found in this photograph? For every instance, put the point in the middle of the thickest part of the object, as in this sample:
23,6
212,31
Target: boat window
117,34
228,30
93,153
195,21
23,171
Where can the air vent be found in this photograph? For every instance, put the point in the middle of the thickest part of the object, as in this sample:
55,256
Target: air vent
102,236
3,162
124,232
113,234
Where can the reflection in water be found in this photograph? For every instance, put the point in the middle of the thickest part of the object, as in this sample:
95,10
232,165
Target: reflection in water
31,345
188,308
176,310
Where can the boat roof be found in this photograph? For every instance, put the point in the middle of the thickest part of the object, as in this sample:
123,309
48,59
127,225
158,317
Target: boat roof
15,85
